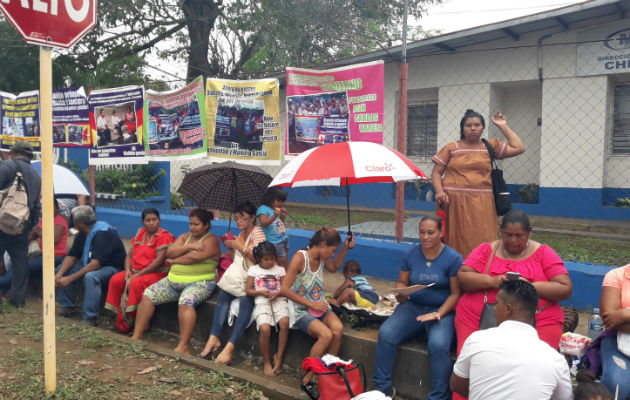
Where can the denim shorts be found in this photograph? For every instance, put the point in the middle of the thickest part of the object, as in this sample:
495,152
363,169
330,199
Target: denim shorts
303,323
282,248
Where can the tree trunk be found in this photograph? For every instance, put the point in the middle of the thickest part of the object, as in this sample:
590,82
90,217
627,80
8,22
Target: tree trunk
200,17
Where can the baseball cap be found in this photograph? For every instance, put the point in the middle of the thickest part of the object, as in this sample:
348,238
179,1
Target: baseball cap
23,148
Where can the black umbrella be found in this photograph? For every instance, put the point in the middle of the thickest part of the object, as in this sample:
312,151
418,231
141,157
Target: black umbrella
222,186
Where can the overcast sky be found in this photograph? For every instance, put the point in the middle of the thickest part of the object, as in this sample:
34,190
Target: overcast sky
455,15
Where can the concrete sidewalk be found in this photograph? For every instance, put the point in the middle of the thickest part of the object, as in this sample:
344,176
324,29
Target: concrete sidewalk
572,227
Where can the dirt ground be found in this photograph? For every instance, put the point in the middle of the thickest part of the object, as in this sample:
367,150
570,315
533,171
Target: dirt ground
91,364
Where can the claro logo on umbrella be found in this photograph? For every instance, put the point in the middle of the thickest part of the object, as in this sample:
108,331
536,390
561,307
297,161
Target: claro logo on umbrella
379,168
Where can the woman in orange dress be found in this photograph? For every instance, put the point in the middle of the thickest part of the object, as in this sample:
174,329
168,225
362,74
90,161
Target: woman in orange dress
144,265
463,185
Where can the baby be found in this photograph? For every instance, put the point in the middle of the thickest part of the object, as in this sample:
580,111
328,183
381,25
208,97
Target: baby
355,289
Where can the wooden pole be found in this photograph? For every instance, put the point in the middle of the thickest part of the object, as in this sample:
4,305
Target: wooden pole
48,251
402,126
402,147
92,183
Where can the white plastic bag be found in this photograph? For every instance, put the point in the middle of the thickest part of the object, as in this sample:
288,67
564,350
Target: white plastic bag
372,395
574,344
623,343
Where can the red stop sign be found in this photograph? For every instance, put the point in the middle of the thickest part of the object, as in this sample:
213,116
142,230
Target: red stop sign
55,23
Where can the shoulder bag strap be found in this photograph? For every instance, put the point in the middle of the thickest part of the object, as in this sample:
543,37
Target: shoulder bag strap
342,372
493,163
494,250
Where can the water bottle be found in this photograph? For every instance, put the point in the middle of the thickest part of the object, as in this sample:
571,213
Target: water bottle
595,325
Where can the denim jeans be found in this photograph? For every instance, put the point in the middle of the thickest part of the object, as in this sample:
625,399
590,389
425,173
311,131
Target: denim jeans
93,284
615,367
402,326
245,308
17,247
34,269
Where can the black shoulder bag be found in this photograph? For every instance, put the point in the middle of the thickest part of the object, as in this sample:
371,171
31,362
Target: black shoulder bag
502,200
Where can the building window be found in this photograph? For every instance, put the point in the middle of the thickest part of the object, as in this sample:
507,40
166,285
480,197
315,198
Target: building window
621,120
422,121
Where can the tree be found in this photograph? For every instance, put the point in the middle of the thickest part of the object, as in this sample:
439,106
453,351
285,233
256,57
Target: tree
268,35
236,38
19,62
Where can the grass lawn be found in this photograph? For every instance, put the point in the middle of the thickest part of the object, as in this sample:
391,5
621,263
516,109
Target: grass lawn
91,365
569,248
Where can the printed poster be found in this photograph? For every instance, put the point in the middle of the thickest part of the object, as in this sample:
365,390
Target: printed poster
332,106
71,118
116,126
20,119
174,124
243,121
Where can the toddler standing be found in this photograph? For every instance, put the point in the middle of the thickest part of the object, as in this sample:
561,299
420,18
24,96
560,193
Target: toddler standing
263,282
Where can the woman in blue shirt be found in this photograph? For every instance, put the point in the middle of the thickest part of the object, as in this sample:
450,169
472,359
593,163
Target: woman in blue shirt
430,309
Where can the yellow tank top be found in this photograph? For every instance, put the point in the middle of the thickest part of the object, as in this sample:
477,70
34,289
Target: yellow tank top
188,273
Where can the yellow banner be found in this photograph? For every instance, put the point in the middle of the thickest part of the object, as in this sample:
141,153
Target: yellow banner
244,121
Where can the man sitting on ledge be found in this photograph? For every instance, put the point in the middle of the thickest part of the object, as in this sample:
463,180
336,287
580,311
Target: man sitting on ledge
96,255
510,361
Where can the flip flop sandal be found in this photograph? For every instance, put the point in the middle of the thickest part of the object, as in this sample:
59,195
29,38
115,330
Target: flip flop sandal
310,391
211,354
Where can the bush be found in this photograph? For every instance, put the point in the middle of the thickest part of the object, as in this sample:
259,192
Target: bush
138,183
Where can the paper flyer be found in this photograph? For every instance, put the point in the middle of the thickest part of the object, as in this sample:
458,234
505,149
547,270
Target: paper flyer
20,119
116,117
332,106
71,118
243,121
175,123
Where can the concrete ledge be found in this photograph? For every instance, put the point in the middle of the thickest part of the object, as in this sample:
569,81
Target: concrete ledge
411,371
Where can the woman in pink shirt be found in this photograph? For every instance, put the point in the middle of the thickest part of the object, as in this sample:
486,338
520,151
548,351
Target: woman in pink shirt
514,252
615,309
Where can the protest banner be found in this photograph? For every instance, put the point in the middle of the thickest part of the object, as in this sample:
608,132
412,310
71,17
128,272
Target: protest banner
116,126
335,105
20,119
174,124
243,121
71,118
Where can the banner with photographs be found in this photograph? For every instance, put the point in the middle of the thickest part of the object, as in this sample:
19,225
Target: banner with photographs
71,118
20,119
335,105
243,121
175,125
116,126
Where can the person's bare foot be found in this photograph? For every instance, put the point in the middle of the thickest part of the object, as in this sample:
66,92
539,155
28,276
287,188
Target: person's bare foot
212,346
225,357
268,369
277,365
334,302
182,349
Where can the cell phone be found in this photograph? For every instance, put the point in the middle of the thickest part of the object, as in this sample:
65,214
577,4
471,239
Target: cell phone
513,276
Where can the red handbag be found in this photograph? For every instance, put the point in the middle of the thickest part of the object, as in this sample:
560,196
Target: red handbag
342,384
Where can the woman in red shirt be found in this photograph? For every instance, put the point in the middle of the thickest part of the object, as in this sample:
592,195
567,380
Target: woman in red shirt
144,265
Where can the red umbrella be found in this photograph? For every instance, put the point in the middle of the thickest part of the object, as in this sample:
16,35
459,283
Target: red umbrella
342,164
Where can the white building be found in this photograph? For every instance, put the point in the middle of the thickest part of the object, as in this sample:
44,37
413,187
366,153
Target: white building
561,77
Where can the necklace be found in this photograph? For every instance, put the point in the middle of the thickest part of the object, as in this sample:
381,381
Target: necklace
507,254
430,260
